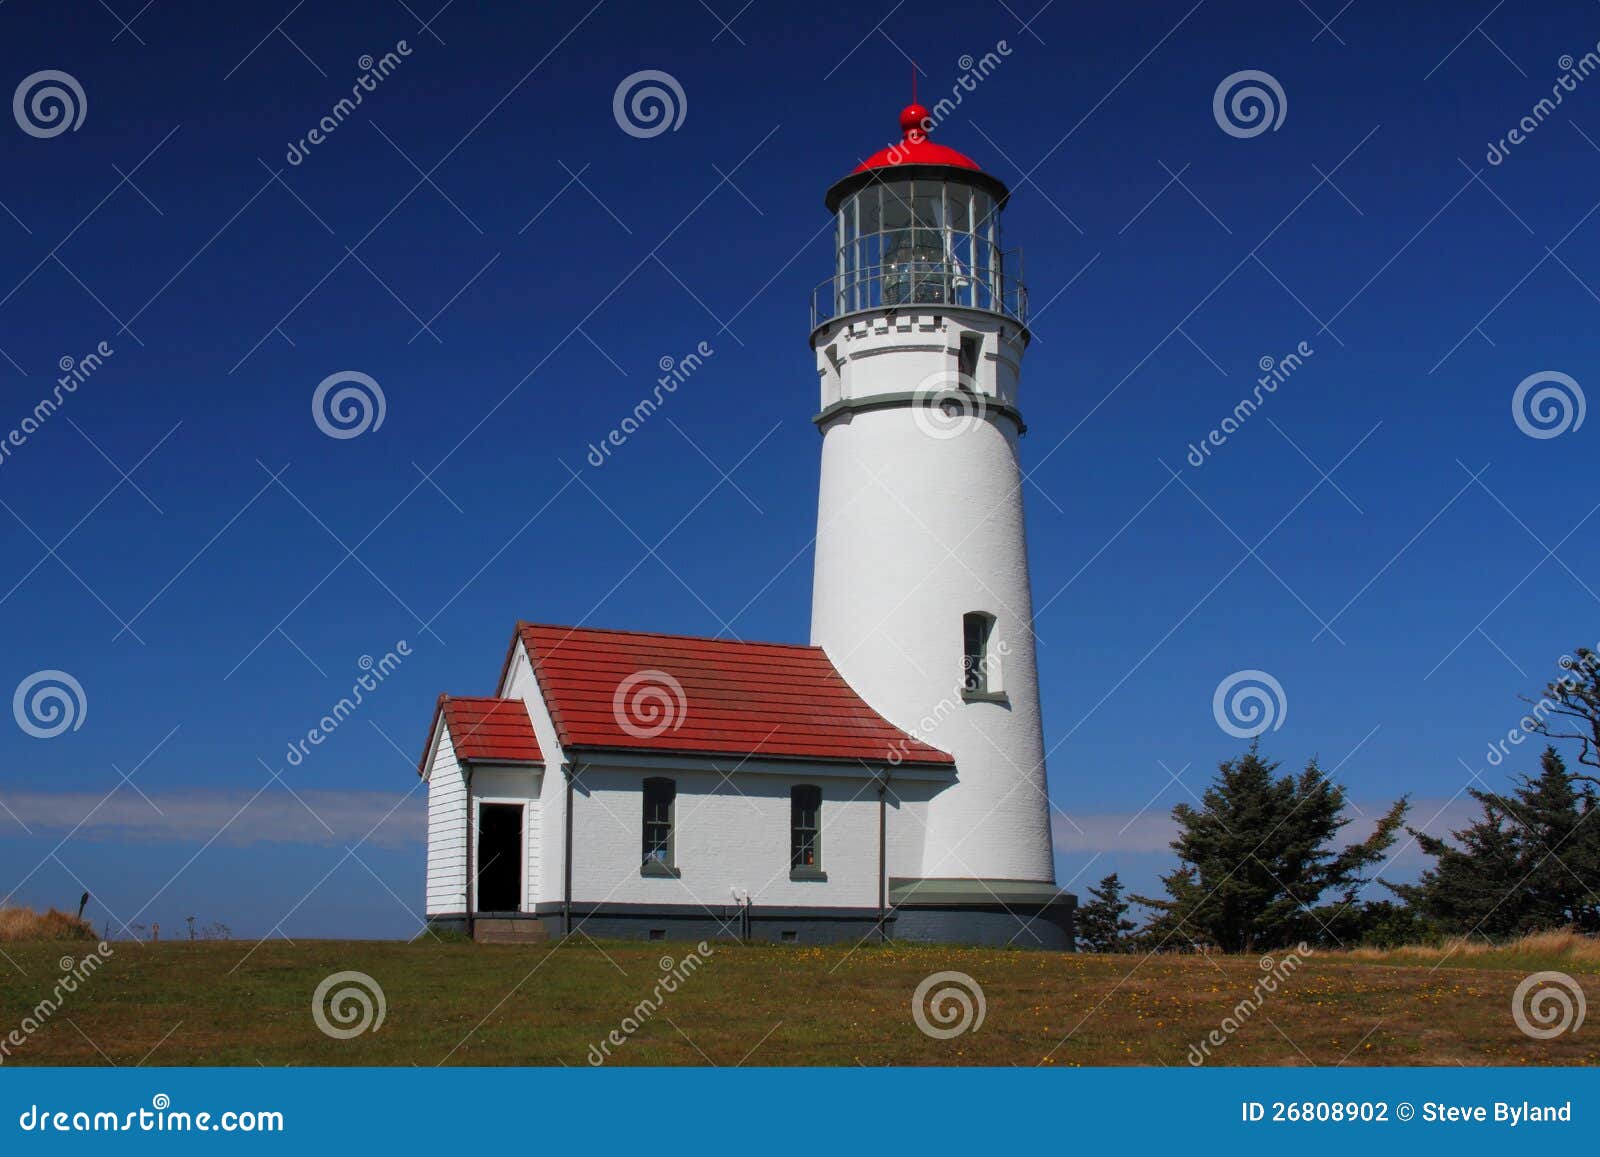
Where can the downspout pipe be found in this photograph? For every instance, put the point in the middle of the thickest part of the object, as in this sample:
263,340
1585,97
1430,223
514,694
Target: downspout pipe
566,868
471,866
883,857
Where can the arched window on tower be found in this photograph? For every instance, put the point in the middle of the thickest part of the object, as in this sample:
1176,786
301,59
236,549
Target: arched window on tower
980,662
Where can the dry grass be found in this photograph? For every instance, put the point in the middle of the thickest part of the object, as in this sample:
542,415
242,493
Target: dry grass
542,1004
26,924
1562,944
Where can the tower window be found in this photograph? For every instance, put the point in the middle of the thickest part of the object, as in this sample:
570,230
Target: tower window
979,674
967,360
660,799
805,832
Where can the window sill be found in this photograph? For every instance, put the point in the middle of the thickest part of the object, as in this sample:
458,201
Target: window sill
985,697
655,869
816,874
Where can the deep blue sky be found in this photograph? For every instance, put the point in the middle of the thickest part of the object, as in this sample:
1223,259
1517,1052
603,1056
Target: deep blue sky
251,617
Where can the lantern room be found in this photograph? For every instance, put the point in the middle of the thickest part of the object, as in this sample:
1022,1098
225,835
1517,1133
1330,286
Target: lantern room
918,224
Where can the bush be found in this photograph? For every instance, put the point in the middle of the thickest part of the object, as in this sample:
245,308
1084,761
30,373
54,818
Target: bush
26,924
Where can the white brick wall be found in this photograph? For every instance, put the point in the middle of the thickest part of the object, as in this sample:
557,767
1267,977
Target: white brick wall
726,839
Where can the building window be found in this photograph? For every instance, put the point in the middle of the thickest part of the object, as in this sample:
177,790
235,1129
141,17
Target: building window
976,629
805,833
967,361
660,795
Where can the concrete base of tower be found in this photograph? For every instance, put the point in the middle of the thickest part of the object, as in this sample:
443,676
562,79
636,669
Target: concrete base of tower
1008,913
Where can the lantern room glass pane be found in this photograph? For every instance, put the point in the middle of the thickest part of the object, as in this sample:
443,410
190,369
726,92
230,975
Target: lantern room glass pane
919,242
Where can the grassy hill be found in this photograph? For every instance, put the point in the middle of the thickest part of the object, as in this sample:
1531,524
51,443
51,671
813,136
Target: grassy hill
236,1003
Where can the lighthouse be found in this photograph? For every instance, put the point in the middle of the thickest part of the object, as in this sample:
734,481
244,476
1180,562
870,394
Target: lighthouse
884,782
921,596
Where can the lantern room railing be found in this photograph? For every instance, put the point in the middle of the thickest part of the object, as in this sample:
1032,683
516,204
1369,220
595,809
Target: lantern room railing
919,283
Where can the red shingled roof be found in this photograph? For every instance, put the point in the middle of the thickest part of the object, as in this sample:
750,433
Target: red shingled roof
486,730
625,689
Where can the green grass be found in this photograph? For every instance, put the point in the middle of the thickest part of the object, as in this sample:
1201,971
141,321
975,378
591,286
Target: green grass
233,1003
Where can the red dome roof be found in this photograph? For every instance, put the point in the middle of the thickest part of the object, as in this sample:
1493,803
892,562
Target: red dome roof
916,148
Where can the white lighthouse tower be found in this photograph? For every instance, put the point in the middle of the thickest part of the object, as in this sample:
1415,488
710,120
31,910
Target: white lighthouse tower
921,595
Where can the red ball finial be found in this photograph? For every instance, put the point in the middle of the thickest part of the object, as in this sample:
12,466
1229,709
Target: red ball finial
912,119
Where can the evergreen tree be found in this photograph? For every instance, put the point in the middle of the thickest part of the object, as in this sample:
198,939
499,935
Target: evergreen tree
1103,925
1260,856
1531,861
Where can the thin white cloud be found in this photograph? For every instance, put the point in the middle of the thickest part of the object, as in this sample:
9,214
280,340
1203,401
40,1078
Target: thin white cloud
393,819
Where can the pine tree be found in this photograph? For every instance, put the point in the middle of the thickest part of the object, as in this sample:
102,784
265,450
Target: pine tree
1259,856
1531,861
1103,925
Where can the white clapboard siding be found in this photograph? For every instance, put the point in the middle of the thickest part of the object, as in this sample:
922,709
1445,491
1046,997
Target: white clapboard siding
447,830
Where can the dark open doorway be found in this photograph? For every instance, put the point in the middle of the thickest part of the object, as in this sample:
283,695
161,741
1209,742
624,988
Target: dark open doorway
499,857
